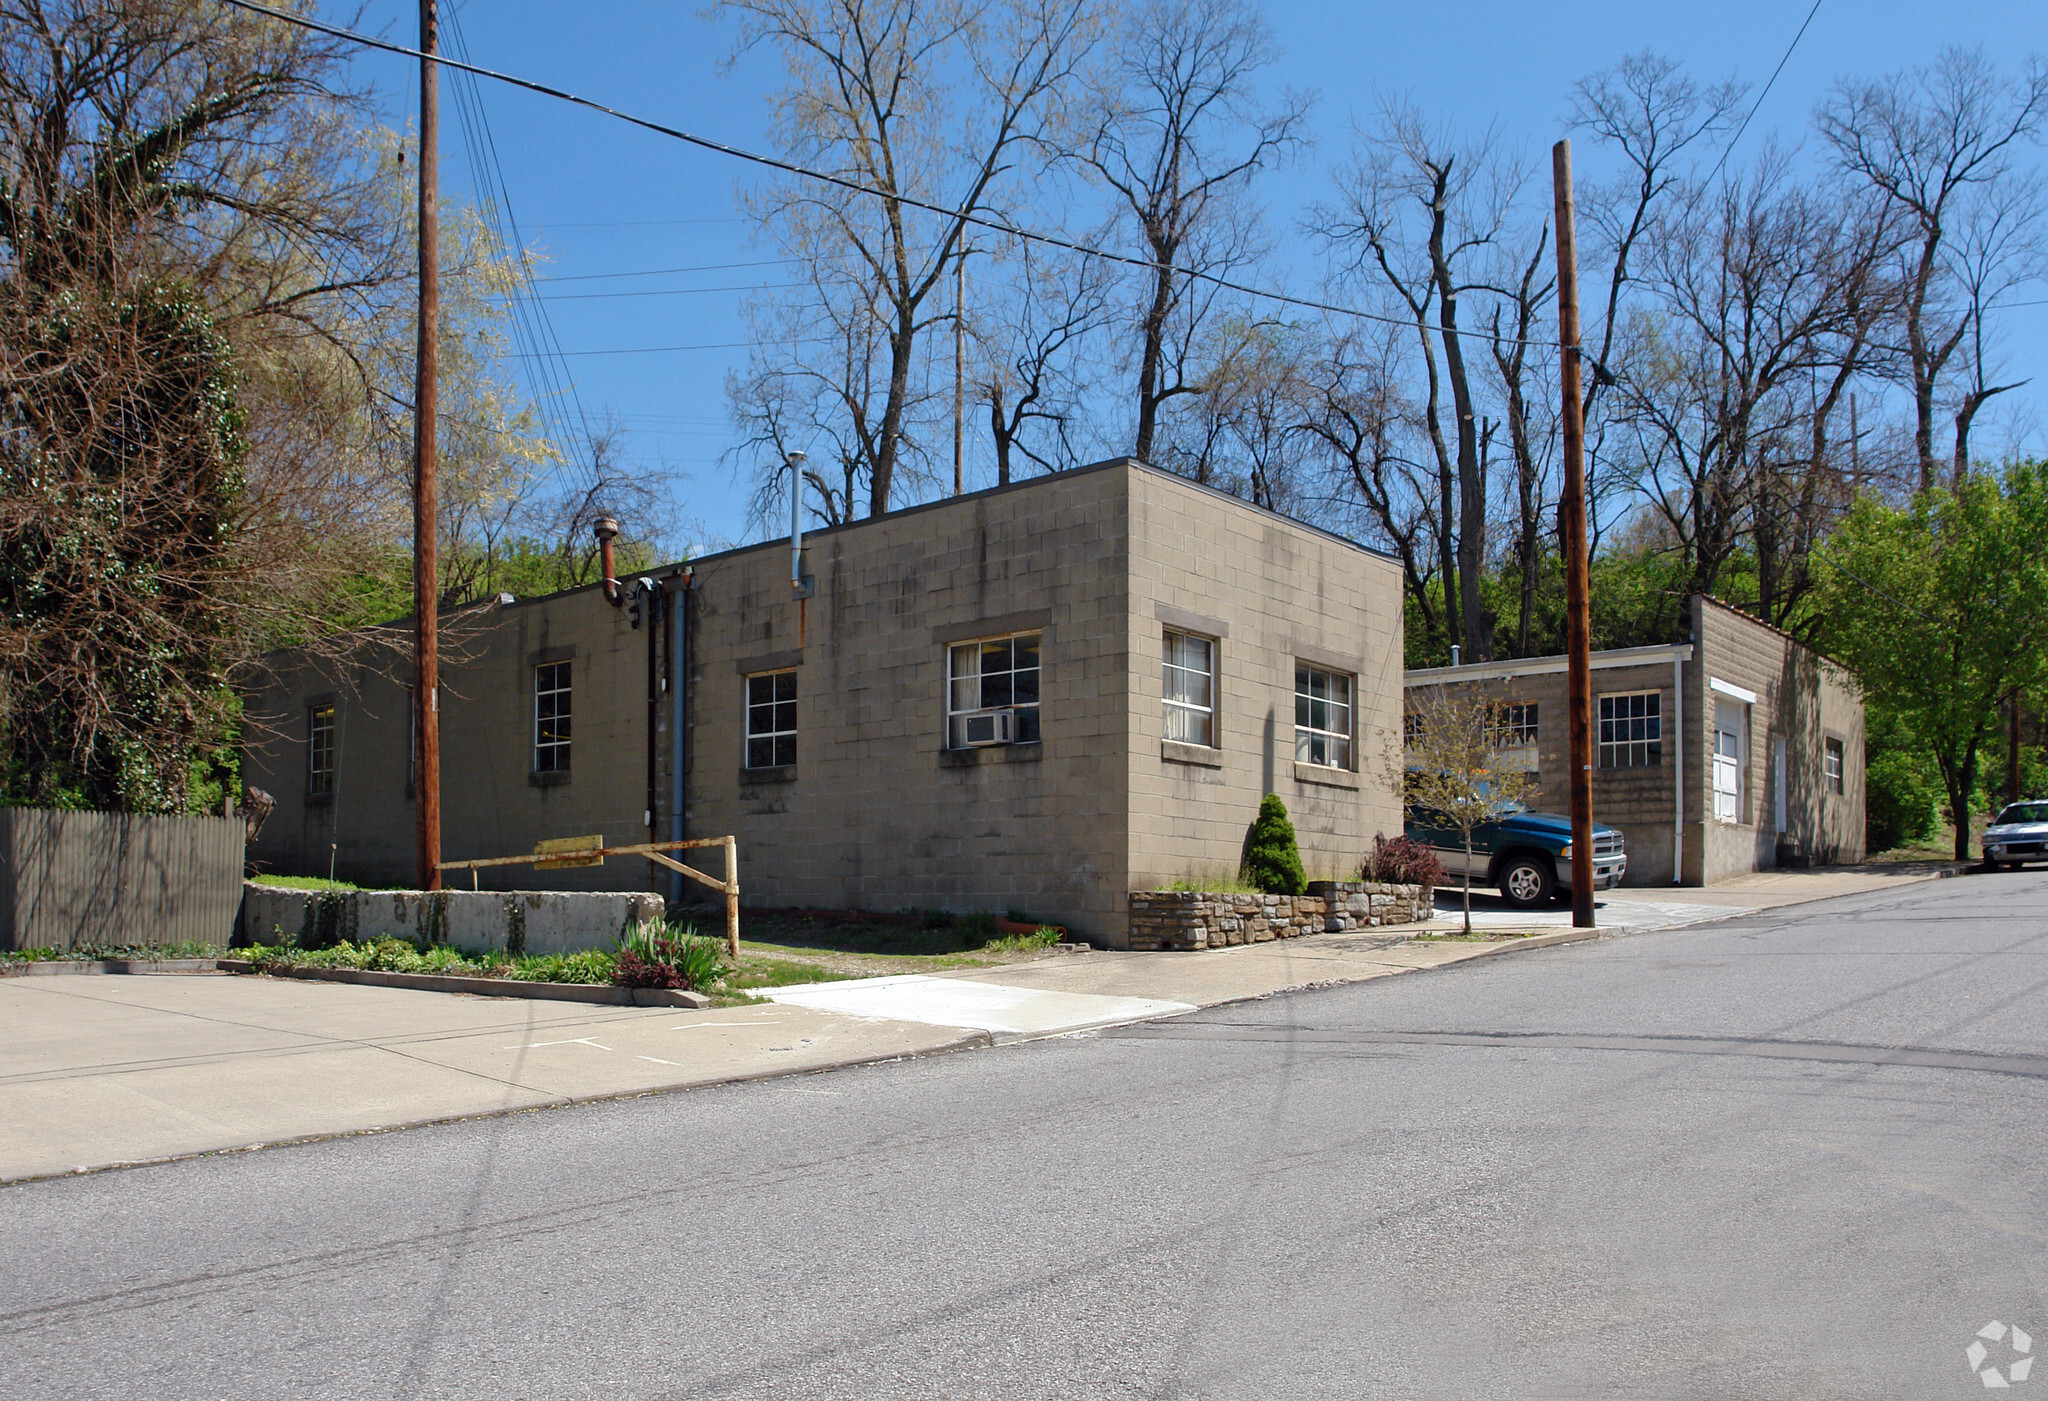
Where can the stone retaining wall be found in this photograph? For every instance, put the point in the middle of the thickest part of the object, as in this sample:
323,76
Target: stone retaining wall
517,921
1200,919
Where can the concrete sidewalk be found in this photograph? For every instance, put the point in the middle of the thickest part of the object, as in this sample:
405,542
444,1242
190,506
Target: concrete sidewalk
102,1071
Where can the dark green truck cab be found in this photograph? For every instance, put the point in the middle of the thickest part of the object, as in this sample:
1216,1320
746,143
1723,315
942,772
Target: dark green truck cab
1527,855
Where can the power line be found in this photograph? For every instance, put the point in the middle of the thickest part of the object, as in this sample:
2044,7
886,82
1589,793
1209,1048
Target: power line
1729,149
552,223
547,370
854,187
663,272
665,292
641,349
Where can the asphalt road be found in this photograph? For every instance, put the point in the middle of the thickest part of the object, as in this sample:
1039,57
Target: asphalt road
1789,1156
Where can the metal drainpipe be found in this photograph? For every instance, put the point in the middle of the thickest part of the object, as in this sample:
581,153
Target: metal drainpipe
677,614
652,596
1678,770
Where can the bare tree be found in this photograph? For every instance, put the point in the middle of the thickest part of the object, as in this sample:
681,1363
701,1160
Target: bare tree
1032,332
1759,287
1937,142
907,100
1352,410
1515,336
1420,212
1999,249
1178,137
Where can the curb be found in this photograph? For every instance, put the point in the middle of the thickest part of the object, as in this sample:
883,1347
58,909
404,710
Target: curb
61,967
603,993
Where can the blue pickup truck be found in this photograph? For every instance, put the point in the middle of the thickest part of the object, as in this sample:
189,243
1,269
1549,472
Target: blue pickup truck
1526,854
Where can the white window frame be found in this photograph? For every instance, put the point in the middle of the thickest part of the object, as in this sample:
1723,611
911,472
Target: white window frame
1639,743
551,747
1187,689
1515,724
968,693
770,714
1834,760
1323,746
320,749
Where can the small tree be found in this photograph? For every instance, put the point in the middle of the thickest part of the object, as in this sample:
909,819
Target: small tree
1452,766
1272,860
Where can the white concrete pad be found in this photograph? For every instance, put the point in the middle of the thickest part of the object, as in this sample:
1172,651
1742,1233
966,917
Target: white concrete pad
1613,911
1007,1012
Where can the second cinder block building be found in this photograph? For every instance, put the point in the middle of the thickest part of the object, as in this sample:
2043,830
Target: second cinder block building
1038,698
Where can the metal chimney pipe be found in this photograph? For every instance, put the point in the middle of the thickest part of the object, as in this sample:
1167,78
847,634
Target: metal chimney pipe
1454,655
606,529
796,520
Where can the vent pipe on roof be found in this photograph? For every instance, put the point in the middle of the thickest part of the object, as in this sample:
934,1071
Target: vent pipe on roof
606,529
1454,654
795,521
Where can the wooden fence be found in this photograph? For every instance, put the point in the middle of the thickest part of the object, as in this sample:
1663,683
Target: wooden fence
69,879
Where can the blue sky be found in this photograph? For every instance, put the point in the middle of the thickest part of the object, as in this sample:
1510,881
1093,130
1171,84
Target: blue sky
602,198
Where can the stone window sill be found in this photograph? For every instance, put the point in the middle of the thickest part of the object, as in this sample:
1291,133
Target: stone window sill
781,773
1327,777
553,778
1172,751
994,754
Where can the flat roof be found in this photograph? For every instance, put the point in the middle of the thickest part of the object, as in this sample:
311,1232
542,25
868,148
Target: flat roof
1545,666
778,542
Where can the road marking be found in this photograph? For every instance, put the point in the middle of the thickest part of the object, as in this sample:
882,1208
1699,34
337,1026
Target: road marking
659,1061
572,1041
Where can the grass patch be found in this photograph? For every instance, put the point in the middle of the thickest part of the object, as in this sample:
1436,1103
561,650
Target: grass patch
1043,937
1478,936
776,951
398,956
304,883
758,972
1938,845
1213,885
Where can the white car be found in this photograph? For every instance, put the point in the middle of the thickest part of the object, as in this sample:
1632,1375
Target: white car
2019,835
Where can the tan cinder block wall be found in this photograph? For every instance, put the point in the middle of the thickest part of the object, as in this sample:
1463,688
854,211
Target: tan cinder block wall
490,803
878,815
1802,697
1640,802
1268,590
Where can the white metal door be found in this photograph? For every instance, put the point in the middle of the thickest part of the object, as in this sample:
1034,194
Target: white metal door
1727,761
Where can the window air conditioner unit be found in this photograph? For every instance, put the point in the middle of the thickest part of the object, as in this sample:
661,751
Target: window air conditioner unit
987,727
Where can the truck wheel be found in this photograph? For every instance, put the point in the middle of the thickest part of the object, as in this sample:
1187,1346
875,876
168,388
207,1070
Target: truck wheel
1526,882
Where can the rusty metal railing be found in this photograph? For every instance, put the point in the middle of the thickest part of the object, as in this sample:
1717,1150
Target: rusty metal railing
591,856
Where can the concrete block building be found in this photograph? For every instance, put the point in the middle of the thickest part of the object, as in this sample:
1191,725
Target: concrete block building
1736,750
1037,698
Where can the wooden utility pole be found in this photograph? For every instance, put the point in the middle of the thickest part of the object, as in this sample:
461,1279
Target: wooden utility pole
425,507
959,362
1578,625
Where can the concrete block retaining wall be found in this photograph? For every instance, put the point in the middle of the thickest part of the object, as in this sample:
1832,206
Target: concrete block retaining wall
517,921
1200,919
